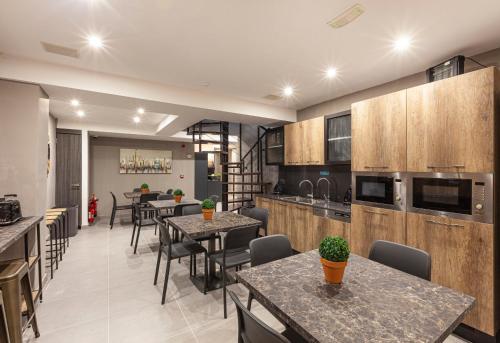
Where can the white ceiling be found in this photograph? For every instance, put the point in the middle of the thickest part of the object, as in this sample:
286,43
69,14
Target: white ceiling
247,48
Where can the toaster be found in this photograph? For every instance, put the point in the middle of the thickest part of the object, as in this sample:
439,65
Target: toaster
10,211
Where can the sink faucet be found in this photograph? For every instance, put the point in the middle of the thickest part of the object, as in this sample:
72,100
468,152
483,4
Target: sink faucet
312,188
325,196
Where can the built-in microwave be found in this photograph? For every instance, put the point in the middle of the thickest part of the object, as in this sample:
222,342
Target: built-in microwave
386,190
467,196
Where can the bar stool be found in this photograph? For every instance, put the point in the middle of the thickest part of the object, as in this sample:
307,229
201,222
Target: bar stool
53,248
4,330
14,280
60,232
63,212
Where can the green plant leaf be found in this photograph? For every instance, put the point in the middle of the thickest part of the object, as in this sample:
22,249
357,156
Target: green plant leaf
208,204
178,192
334,248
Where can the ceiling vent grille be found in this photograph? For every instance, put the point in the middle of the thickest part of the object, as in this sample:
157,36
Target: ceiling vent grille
348,16
272,97
60,50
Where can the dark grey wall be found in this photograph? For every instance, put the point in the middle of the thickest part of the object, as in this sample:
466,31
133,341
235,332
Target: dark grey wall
339,176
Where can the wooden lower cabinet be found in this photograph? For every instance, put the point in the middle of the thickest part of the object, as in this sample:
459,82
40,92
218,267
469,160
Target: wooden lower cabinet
281,224
269,205
462,259
369,224
300,228
323,227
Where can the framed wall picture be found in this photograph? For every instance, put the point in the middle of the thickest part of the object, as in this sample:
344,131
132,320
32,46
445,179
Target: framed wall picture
141,161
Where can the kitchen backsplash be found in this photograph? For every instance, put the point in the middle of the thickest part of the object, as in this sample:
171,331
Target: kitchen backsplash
339,176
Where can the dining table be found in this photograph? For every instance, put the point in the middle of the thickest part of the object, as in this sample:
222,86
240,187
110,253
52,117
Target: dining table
136,195
374,302
170,204
193,226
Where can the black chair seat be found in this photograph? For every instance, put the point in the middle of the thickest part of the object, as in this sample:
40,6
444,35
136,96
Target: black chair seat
185,248
124,207
148,222
232,259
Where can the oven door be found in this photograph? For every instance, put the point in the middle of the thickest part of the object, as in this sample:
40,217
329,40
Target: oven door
450,195
386,190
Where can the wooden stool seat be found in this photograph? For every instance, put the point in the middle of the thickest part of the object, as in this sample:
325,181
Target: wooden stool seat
14,281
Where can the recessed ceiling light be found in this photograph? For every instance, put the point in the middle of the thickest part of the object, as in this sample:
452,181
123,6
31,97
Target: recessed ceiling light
403,43
137,120
80,113
75,103
331,73
140,110
288,91
95,41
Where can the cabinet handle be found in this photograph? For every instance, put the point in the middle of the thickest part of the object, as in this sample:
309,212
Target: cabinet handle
444,224
447,166
378,167
379,213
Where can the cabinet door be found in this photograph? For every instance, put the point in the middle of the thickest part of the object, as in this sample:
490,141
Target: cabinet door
323,227
280,211
293,144
313,141
450,124
268,204
275,146
338,148
369,224
299,224
462,259
379,133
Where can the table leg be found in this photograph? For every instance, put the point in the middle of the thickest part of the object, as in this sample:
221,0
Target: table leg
211,249
39,251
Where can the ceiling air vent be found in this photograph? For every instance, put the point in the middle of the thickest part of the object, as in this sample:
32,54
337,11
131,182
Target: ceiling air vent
347,16
60,50
272,97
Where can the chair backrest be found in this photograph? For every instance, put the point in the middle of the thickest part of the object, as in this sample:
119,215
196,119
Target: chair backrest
257,213
165,239
165,197
239,239
148,197
170,191
136,190
269,248
114,199
191,209
137,211
251,329
407,259
215,199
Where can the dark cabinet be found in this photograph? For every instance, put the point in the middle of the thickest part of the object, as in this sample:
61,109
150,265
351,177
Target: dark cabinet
338,138
275,144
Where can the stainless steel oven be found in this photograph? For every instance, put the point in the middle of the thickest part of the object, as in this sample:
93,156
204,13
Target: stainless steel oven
386,190
467,196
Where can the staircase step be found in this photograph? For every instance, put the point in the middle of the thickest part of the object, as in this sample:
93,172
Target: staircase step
242,200
206,141
245,173
243,192
245,183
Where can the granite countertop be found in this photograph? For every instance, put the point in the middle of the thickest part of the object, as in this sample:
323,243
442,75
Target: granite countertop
158,204
194,225
329,205
375,303
133,195
11,233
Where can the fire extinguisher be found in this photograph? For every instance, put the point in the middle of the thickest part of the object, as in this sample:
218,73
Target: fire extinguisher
92,209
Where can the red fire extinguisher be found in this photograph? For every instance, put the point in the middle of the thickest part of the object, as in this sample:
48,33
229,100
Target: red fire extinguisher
92,209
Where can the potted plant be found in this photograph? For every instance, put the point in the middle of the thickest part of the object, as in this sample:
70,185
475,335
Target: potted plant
208,207
145,188
334,252
178,194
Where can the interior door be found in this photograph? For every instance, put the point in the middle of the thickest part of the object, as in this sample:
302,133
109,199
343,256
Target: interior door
69,169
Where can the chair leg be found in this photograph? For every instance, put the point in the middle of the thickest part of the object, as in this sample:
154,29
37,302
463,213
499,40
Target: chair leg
190,265
133,234
224,291
112,220
137,238
206,275
194,265
250,298
156,227
220,242
26,286
165,284
157,265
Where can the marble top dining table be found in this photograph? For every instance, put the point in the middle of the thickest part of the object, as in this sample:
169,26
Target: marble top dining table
134,195
375,303
161,204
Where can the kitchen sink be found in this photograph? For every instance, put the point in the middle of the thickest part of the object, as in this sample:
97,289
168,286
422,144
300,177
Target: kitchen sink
299,199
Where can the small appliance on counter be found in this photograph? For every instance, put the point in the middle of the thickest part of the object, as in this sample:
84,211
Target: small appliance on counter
10,210
278,188
348,196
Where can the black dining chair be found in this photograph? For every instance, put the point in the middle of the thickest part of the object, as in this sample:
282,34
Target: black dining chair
135,190
268,249
253,330
117,207
215,199
140,222
165,197
257,213
175,251
404,258
170,191
234,254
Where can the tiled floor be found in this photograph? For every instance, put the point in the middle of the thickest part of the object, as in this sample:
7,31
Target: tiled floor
102,292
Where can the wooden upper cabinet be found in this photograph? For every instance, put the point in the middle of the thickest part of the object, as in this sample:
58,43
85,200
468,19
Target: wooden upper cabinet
379,133
369,224
305,142
462,254
450,124
313,142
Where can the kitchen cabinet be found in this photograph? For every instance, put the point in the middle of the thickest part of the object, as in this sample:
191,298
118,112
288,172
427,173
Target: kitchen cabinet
379,133
324,226
300,228
269,205
369,224
338,138
450,124
281,215
462,255
305,142
275,145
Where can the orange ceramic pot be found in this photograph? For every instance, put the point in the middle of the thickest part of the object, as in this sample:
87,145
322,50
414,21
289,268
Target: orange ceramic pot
208,214
144,190
178,198
334,271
